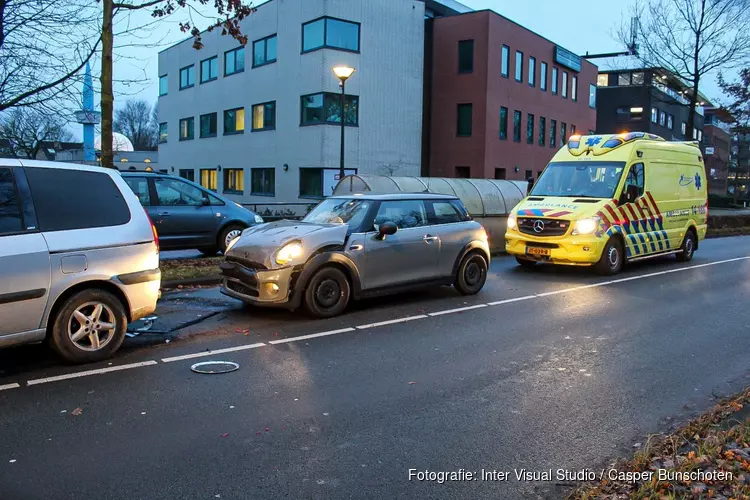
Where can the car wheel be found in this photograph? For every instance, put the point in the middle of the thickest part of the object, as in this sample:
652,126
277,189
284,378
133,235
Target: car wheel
525,262
327,293
208,252
226,236
687,247
90,326
472,274
612,258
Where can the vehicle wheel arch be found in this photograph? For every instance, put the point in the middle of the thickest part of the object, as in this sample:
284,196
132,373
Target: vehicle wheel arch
226,224
693,229
473,247
86,285
321,258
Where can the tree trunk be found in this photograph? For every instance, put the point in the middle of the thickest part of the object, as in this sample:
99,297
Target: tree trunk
691,110
106,84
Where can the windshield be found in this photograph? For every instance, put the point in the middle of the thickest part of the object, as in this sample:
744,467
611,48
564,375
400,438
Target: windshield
579,179
339,211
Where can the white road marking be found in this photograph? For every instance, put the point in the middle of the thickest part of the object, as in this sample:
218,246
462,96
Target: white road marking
458,309
212,353
86,373
312,336
391,321
9,386
508,301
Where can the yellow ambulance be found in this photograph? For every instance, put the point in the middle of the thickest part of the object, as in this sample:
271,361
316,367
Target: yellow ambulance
605,200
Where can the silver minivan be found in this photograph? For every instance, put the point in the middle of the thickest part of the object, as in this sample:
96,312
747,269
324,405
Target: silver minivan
79,258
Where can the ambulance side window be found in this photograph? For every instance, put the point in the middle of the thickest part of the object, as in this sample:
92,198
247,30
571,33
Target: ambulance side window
635,178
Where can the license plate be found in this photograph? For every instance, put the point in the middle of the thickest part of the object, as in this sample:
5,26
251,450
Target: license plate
538,251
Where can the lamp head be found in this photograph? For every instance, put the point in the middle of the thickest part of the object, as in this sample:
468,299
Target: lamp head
343,72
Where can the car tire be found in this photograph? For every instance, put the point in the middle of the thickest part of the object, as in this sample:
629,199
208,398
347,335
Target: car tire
100,309
228,234
472,274
612,259
209,251
525,262
687,247
327,293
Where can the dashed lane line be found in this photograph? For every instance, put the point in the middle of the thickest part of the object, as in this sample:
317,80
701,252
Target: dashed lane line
370,325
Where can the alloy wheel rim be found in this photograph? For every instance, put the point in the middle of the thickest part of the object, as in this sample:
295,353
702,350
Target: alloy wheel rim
614,258
689,247
234,233
92,326
328,293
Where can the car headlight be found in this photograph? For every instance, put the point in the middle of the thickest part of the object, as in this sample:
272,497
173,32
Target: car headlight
232,243
288,253
512,222
586,226
258,219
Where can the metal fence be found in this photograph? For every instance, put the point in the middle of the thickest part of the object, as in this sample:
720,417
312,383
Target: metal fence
277,210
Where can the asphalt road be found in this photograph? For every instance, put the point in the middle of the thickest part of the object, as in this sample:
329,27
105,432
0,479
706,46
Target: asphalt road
548,368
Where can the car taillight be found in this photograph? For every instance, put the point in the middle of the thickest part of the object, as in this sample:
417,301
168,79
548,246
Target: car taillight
153,230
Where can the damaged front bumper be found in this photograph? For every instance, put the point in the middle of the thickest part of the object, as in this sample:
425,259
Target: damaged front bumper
256,286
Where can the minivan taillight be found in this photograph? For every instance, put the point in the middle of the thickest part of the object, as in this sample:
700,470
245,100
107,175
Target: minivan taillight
153,230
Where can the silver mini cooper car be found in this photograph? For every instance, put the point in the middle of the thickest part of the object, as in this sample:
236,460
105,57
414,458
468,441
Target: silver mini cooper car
358,246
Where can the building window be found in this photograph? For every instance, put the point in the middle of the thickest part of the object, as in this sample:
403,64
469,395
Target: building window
516,126
187,129
563,131
700,135
234,180
529,128
552,133
554,80
602,80
519,66
311,182
234,61
505,61
572,129
592,96
684,128
209,178
263,182
638,78
330,33
654,115
463,172
163,85
670,122
503,122
532,71
463,120
466,56
187,77
500,173
208,125
662,118
234,121
264,51
264,116
209,69
529,174
623,79
162,133
325,107
188,174
695,134
564,90
574,88
542,130
543,77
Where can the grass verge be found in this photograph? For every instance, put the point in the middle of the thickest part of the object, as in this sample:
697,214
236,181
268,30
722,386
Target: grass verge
181,269
717,441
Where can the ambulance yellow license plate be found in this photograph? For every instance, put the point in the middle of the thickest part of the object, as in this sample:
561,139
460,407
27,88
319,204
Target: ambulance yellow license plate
544,252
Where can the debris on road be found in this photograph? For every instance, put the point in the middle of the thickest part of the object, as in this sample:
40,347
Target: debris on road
13,461
215,367
411,382
77,412
226,434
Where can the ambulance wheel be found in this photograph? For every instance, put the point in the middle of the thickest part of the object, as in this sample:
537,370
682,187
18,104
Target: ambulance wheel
525,262
687,247
612,258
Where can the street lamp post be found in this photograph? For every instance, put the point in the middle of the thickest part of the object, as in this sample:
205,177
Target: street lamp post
343,73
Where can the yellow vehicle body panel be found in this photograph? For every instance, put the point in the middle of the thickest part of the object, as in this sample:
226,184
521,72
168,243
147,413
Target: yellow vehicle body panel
672,200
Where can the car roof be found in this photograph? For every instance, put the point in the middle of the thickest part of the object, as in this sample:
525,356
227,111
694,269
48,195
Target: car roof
62,165
398,196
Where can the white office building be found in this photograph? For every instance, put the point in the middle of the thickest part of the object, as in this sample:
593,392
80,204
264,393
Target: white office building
262,123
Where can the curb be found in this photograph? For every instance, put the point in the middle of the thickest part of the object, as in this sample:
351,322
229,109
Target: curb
205,280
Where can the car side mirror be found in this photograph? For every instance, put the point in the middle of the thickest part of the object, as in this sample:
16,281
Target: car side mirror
386,229
205,202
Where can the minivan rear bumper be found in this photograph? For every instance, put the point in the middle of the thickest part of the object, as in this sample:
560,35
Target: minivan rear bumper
142,290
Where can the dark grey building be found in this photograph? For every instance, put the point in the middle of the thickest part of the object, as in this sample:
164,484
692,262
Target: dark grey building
646,100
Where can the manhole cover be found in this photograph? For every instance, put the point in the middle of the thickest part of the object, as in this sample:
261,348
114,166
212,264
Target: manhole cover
215,367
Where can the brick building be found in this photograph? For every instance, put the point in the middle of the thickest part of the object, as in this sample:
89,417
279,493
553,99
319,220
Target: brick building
717,139
500,100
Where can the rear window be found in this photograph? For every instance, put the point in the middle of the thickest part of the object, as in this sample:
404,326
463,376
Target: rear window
10,212
75,199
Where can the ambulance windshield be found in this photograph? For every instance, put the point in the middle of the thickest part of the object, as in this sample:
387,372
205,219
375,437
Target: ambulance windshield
579,179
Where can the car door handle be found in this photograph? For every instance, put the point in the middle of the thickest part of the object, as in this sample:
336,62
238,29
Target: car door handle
356,248
428,238
163,214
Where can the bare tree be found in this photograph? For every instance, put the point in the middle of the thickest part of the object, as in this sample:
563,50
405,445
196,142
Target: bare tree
229,15
739,106
27,128
44,44
690,38
135,121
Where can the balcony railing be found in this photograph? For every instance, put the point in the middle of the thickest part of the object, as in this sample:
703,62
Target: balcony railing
676,96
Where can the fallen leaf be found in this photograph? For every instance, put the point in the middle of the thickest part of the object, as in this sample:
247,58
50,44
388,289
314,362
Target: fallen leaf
13,461
257,433
226,434
267,429
411,382
77,411
179,286
240,330
276,334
